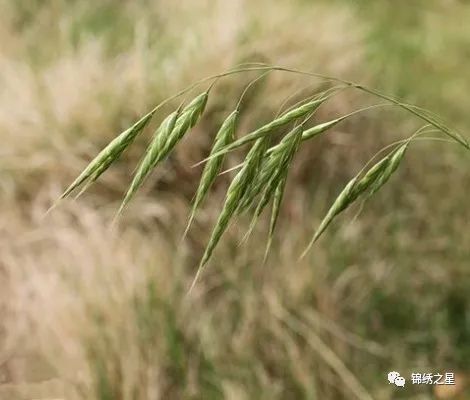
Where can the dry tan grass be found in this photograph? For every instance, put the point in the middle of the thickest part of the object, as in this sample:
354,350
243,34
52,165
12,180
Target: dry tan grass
77,290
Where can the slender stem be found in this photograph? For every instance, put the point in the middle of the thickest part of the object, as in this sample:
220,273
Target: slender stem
312,97
265,67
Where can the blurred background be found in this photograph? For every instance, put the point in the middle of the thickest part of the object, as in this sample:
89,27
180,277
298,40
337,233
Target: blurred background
87,312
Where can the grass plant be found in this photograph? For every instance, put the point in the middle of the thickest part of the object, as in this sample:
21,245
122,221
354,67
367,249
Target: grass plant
263,173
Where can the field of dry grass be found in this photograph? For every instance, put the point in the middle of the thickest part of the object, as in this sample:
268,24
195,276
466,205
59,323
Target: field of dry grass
90,312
